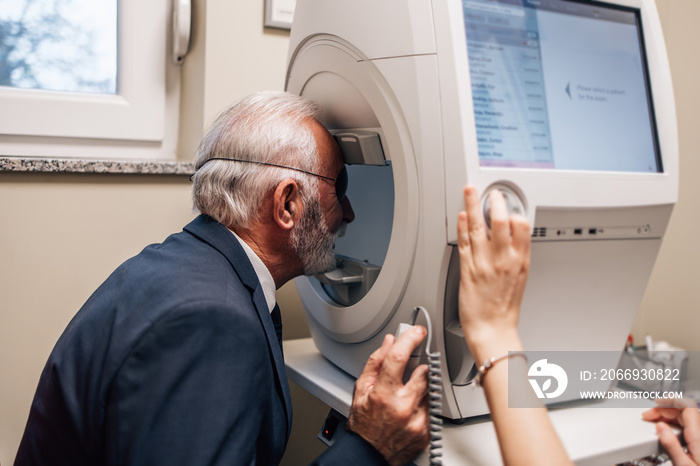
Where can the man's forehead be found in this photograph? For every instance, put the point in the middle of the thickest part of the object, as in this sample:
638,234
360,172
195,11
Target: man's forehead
328,148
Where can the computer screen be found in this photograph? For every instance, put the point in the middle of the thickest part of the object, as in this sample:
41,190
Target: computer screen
558,84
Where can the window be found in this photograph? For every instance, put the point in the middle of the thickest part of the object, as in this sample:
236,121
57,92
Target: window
86,78
59,45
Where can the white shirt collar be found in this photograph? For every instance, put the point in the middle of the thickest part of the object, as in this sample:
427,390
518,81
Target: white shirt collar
264,275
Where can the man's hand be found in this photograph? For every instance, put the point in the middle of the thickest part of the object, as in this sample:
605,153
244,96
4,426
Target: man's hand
391,416
683,413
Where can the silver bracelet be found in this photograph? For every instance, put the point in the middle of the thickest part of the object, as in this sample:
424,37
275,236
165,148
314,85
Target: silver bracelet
489,363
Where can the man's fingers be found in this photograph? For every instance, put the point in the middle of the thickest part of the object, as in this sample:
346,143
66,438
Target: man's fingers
670,442
395,361
417,385
374,365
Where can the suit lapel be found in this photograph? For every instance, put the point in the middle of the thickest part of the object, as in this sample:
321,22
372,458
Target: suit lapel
220,238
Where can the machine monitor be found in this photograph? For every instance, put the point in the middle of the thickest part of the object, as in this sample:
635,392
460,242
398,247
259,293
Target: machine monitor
560,85
564,105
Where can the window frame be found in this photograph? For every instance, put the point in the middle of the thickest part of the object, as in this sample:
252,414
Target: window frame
69,124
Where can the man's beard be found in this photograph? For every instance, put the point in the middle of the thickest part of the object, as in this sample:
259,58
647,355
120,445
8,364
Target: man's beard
312,241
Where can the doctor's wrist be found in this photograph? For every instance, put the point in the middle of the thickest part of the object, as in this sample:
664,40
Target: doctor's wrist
490,344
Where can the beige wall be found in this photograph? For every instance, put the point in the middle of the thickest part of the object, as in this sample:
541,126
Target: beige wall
231,56
61,235
670,307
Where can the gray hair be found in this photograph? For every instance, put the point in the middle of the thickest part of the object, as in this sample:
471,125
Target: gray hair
269,127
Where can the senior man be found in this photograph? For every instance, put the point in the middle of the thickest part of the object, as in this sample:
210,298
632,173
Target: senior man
177,357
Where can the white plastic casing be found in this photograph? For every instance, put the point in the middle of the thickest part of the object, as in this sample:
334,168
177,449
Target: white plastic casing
400,69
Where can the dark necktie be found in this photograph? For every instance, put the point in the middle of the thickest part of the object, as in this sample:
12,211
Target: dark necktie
277,321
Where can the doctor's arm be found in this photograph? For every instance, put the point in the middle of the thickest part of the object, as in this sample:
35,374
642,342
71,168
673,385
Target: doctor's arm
493,276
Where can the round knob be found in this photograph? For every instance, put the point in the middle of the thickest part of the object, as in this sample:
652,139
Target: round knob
513,203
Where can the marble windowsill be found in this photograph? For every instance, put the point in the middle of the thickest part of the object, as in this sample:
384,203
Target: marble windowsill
56,165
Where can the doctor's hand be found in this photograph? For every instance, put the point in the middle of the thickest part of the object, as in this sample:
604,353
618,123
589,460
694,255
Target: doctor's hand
391,416
493,274
683,413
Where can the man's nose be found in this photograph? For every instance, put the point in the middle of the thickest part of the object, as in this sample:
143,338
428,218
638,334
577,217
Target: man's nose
348,213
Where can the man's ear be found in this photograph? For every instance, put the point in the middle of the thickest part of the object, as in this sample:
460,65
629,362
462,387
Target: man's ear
287,205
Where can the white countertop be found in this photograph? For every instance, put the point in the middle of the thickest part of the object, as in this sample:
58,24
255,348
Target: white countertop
591,435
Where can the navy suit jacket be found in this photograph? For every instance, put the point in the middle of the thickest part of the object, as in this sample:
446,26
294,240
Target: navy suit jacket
173,360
